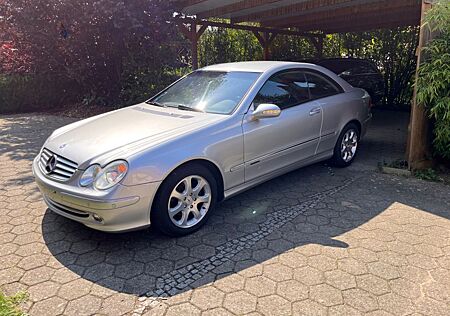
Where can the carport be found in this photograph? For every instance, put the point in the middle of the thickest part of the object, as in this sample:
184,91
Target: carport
313,19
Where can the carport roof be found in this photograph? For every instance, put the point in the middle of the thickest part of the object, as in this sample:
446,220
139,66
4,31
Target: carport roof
328,16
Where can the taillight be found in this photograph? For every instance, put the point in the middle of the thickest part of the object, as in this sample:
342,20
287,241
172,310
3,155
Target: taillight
370,103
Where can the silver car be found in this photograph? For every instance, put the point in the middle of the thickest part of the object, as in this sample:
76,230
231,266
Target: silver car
210,135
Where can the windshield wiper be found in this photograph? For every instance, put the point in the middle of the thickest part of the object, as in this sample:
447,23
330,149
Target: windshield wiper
156,104
187,108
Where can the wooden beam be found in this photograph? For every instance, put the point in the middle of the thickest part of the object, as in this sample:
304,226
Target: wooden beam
234,7
248,28
419,149
188,3
302,8
388,23
377,10
363,22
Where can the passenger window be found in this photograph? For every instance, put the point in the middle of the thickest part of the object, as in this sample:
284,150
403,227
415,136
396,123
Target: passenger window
286,89
319,87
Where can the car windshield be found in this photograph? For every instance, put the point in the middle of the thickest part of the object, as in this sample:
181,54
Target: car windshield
207,91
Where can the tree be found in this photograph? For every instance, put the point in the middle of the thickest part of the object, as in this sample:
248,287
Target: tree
433,86
86,42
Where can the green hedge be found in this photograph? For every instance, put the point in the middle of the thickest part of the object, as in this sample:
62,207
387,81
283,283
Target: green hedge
25,93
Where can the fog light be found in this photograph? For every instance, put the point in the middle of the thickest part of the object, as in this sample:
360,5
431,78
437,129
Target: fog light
97,218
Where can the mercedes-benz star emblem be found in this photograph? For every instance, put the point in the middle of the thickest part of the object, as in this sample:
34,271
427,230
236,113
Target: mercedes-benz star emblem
50,166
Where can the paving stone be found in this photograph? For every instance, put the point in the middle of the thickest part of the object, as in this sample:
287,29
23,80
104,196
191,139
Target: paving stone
360,300
355,240
260,286
309,276
395,304
207,298
118,304
325,294
322,262
277,272
85,305
340,279
352,266
182,309
292,290
230,283
373,284
308,308
37,275
405,288
273,305
42,291
240,302
75,289
50,307
293,259
343,310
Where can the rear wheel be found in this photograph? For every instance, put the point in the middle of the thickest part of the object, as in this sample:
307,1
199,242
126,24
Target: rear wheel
184,201
346,146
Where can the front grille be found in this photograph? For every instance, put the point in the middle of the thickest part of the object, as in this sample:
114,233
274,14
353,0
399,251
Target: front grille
62,169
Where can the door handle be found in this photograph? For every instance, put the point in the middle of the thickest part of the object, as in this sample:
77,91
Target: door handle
315,111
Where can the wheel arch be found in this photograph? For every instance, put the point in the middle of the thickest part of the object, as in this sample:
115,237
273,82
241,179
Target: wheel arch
356,122
211,166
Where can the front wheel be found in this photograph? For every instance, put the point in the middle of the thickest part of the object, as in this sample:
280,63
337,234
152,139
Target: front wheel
184,201
346,146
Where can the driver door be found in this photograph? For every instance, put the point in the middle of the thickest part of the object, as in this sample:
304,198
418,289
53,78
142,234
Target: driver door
277,142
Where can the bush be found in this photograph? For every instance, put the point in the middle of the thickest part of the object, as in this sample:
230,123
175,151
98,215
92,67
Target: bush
433,86
20,93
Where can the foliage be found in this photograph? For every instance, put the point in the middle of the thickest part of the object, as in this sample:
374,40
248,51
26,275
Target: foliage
121,52
219,45
26,92
9,304
428,175
393,50
433,86
86,43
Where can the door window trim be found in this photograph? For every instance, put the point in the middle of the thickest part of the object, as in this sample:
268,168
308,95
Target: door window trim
326,78
304,71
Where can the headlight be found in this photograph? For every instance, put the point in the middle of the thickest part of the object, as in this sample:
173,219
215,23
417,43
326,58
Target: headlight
111,175
89,175
104,178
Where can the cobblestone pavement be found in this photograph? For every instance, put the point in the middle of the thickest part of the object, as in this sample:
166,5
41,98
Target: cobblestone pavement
316,241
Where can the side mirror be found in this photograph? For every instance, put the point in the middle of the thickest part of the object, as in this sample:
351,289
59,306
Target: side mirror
266,110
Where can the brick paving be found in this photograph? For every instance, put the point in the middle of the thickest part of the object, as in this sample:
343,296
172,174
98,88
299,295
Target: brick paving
317,241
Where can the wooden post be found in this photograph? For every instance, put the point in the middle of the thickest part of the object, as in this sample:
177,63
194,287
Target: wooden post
318,44
194,46
419,137
193,34
265,39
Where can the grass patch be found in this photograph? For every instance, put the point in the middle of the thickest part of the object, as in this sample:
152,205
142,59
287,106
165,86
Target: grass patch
9,305
397,164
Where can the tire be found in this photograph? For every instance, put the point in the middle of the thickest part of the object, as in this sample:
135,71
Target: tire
341,159
190,209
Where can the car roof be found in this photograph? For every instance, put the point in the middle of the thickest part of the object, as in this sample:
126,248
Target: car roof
253,66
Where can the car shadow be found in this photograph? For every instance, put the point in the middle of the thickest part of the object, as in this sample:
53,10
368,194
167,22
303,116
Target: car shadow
313,205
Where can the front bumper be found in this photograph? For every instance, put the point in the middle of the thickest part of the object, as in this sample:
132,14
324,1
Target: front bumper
122,208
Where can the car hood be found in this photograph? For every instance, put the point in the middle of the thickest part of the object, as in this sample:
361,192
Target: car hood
119,133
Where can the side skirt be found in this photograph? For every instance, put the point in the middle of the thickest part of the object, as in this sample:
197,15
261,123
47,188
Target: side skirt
251,184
